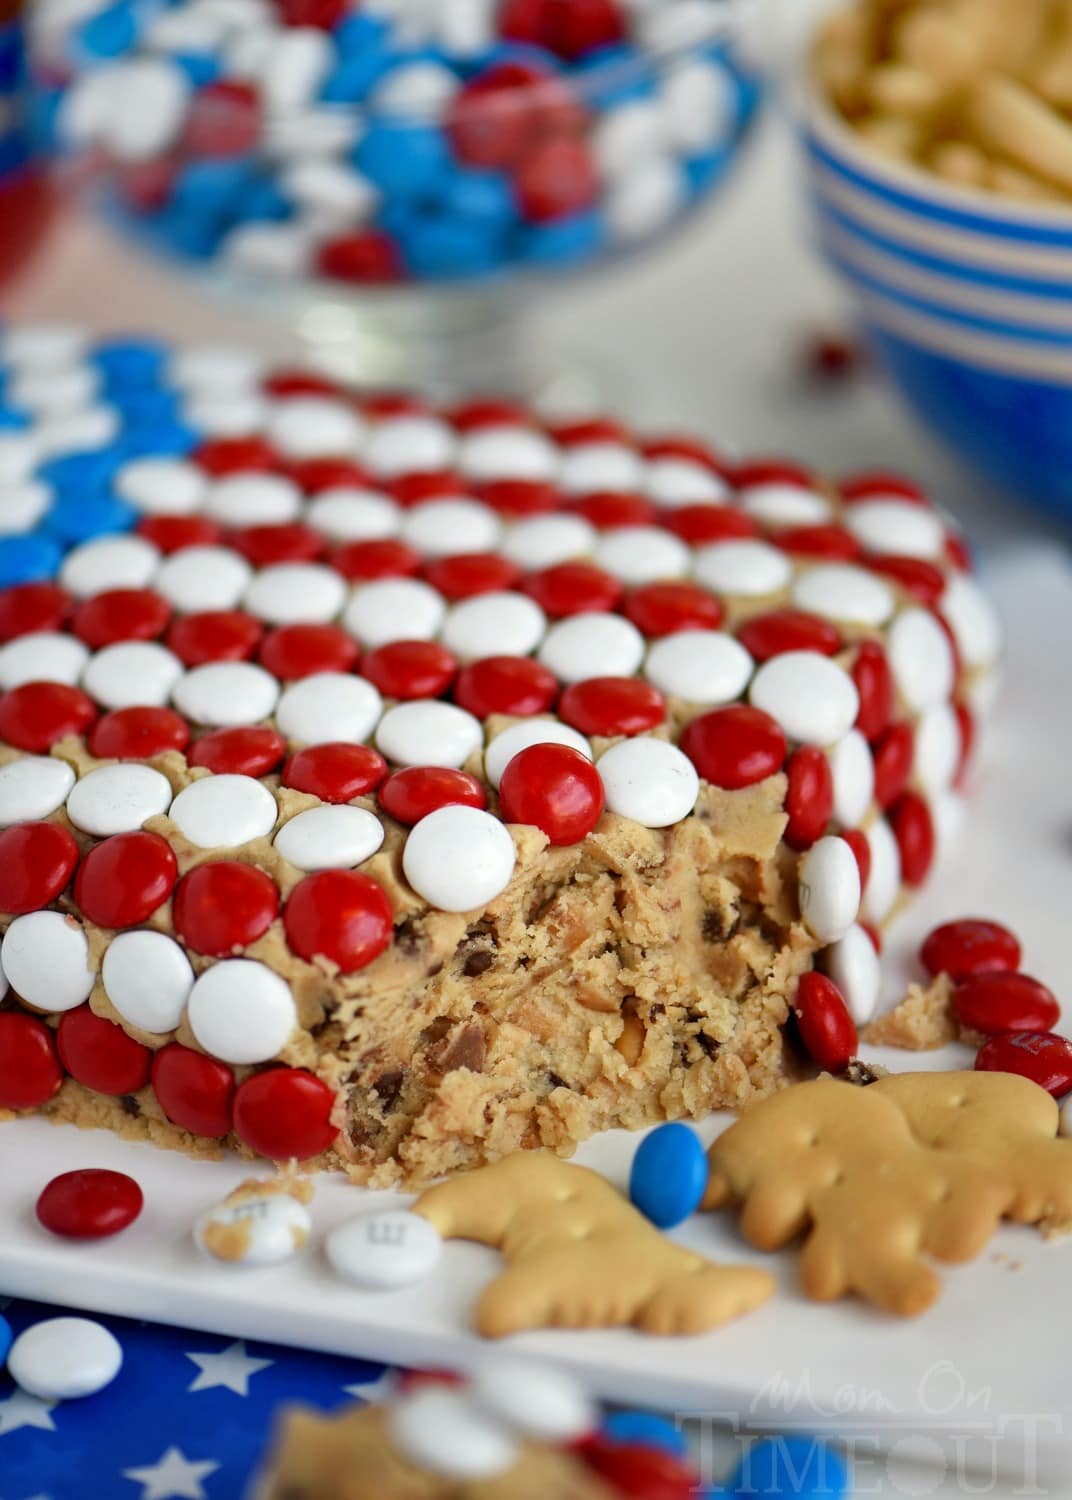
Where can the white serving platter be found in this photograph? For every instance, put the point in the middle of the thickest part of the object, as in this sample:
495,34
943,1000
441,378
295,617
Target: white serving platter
984,1376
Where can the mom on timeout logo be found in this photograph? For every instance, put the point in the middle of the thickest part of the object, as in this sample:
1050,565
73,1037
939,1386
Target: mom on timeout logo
951,1440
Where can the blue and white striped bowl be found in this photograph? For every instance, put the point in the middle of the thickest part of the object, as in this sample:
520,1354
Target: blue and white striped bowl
968,299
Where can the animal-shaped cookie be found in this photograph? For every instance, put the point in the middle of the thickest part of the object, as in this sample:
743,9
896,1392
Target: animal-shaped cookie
580,1256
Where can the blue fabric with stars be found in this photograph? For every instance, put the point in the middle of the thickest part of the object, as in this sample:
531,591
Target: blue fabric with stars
187,1418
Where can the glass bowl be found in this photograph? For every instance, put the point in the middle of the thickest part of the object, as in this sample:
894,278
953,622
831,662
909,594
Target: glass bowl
402,178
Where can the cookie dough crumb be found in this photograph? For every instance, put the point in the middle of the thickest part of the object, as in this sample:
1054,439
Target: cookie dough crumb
922,1022
862,1073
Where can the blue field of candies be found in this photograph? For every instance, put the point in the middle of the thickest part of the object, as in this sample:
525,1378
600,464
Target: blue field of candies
385,144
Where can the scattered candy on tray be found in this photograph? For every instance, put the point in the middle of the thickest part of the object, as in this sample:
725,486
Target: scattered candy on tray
64,1358
424,143
382,1251
89,1204
260,1223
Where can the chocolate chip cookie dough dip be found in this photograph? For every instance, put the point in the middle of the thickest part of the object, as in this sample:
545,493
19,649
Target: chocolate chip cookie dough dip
407,786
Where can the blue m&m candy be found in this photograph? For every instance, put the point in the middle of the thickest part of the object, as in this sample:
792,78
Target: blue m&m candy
668,1175
647,1429
5,1338
27,559
795,1467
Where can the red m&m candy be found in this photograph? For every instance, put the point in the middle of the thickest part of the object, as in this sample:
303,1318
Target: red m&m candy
410,669
660,609
971,945
735,746
121,615
245,750
893,753
285,542
339,915
788,630
809,797
222,907
335,772
295,651
366,561
573,588
1039,1055
514,685
194,1091
89,1204
874,683
861,849
612,705
640,1471
913,828
554,787
284,1113
138,733
29,607
36,862
471,573
125,878
412,793
823,1021
993,1002
37,714
30,1071
100,1055
214,635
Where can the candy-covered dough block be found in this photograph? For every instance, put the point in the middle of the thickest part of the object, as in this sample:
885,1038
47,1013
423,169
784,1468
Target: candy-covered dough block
400,817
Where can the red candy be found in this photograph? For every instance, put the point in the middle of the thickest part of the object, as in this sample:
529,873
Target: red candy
100,1055
340,915
285,542
569,30
37,714
735,746
294,651
966,725
124,879
435,484
470,573
680,445
370,255
573,588
138,733
771,470
993,1002
491,119
173,533
89,1204
490,411
874,683
861,849
788,630
697,524
893,754
518,498
971,946
410,669
194,1091
809,797
335,772
244,455
284,1113
121,615
30,1072
556,178
412,793
253,750
879,485
315,474
659,609
922,580
36,862
831,543
612,705
575,432
823,1021
29,607
634,1469
222,907
362,562
214,635
1039,1055
514,685
913,829
224,120
607,510
556,788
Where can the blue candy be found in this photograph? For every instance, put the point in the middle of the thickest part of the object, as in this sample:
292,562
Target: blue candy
359,32
647,1428
577,238
151,405
152,439
211,187
83,472
404,160
263,200
668,1175
798,1467
450,248
485,197
129,362
109,33
615,75
360,69
5,1338
78,518
702,172
28,558
13,420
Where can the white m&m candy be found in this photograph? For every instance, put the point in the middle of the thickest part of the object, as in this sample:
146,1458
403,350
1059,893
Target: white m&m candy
673,482
590,467
853,964
259,1224
148,978
203,578
410,445
162,486
45,656
241,1011
973,621
852,768
642,554
544,541
528,732
845,593
121,562
117,799
459,858
132,674
330,838
394,609
383,1251
429,734
442,528
442,1430
295,594
707,667
253,500
353,515
508,453
650,781
222,812
812,698
897,527
743,568
921,659
315,427
829,889
223,694
329,706
781,504
33,787
513,622
884,881
592,645
63,1359
545,1405
45,957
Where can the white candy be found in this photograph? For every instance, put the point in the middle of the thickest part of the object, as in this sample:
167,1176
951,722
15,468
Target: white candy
642,554
312,130
62,1359
543,541
626,134
245,54
812,698
781,504
852,768
844,592
699,104
45,957
241,1011
508,453
650,781
897,527
297,61
921,659
53,392
33,787
381,1252
19,455
829,889
853,965
44,656
643,201
222,812
148,109
276,1226
162,486
973,620
328,188
415,91
42,346
217,368
427,733
443,528
77,432
22,505
465,28
148,978
442,1431
674,482
459,858
589,467
295,594
884,881
707,667
132,673
352,515
118,799
500,623
264,249
937,749
592,645
239,415
113,562
221,694
746,569
948,811
315,427
330,838
410,445
528,732
394,609
253,500
329,706
544,1405
203,578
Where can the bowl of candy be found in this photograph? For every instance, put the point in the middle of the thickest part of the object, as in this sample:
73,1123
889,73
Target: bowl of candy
939,147
421,168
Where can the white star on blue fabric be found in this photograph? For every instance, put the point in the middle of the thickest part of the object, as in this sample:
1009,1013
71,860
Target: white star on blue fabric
231,1367
381,1389
172,1477
22,1410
